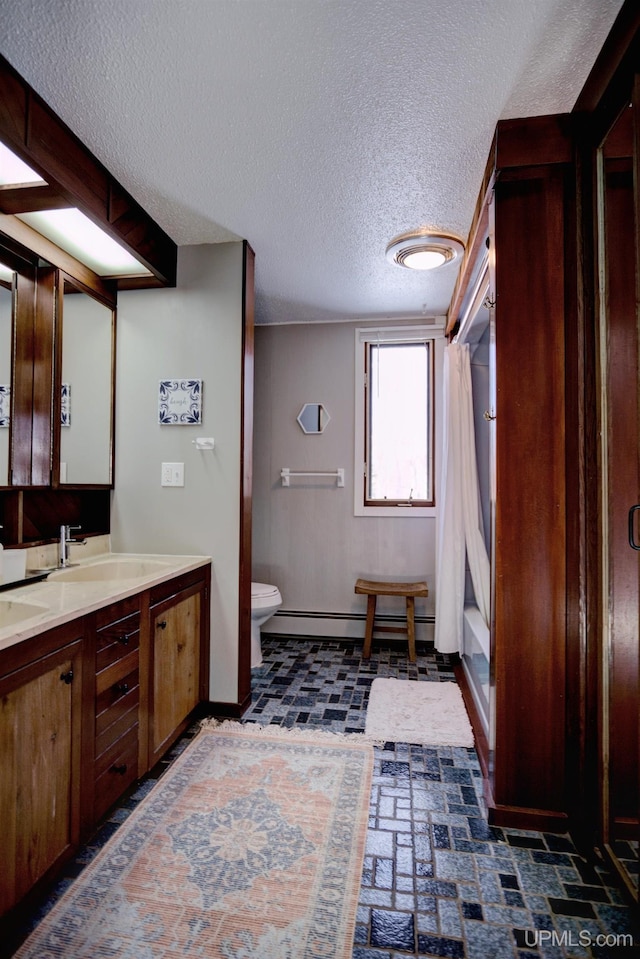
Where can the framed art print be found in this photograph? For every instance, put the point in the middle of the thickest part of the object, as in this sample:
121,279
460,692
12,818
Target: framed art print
65,405
5,404
180,402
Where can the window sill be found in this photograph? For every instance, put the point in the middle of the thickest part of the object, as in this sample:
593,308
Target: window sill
397,512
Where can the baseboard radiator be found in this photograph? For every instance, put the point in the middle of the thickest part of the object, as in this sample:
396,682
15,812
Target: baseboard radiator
335,625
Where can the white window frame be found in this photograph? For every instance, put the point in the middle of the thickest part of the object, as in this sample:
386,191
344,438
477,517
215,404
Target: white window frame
395,334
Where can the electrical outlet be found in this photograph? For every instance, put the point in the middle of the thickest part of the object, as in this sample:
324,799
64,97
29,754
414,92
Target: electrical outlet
172,474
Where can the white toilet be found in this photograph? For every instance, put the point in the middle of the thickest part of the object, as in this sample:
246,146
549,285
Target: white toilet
265,601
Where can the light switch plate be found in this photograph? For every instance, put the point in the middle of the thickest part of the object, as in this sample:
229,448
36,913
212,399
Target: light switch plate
172,474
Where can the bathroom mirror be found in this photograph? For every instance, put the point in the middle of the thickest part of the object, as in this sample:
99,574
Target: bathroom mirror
85,422
313,418
6,301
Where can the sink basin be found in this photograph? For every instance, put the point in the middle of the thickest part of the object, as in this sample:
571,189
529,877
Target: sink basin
109,570
12,612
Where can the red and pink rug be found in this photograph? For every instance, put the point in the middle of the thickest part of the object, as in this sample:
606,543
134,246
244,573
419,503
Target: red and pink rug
250,847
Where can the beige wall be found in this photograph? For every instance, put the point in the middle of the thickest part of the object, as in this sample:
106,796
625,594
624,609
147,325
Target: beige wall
193,331
306,539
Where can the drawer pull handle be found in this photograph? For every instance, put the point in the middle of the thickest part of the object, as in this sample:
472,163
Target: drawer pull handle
162,624
67,677
125,639
120,770
121,688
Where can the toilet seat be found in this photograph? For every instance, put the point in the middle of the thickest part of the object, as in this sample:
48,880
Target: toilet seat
264,595
263,590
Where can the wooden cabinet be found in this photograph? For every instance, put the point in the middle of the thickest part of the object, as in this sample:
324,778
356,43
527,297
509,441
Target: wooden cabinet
86,709
40,737
117,699
178,657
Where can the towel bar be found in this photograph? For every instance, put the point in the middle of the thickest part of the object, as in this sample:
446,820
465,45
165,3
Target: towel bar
286,474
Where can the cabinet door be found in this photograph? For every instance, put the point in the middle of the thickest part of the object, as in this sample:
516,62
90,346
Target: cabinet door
39,753
176,638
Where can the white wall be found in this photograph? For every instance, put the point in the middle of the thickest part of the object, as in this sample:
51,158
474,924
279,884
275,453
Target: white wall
193,331
306,539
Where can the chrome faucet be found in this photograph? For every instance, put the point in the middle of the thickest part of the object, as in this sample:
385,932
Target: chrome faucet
65,540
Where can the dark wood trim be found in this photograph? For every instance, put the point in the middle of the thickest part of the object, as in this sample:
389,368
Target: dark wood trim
44,345
522,817
610,82
22,377
33,131
477,237
246,474
583,616
575,519
29,198
534,141
224,710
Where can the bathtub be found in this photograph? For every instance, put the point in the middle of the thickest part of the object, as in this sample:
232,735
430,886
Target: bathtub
475,660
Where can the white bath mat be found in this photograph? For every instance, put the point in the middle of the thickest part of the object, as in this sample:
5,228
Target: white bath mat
410,711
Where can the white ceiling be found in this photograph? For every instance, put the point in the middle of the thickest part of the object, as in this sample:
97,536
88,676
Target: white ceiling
316,129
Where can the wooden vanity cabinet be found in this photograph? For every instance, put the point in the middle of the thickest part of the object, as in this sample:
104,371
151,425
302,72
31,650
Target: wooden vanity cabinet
178,657
117,700
41,696
85,710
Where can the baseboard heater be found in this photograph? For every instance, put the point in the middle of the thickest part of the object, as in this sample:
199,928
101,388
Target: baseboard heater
357,617
336,625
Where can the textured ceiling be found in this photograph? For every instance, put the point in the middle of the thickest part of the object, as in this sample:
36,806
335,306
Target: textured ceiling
315,129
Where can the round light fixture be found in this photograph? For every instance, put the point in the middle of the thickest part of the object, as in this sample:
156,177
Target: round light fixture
423,250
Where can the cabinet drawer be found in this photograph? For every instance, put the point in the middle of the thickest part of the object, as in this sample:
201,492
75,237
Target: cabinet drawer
115,701
116,770
112,615
117,640
115,674
114,723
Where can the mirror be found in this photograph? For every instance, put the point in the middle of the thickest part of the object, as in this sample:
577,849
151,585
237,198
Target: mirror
620,482
6,302
313,418
86,391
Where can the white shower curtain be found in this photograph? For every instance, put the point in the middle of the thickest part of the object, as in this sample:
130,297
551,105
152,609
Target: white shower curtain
459,523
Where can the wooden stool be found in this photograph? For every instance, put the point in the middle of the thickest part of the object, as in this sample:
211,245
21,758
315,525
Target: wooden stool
372,590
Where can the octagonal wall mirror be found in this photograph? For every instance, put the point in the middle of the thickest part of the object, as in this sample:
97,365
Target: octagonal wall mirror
313,418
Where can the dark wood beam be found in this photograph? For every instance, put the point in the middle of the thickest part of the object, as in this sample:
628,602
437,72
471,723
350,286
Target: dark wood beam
39,137
30,198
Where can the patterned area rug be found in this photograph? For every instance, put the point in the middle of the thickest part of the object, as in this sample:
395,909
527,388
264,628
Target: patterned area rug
426,713
250,847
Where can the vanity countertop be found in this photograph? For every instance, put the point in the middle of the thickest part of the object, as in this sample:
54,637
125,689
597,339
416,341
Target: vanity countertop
56,600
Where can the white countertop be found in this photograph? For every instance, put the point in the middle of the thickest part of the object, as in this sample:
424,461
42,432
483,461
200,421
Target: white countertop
61,602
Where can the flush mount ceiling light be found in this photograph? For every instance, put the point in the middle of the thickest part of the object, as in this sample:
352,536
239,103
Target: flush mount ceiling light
423,250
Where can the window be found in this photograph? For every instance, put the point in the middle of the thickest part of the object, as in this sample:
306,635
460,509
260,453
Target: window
395,425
